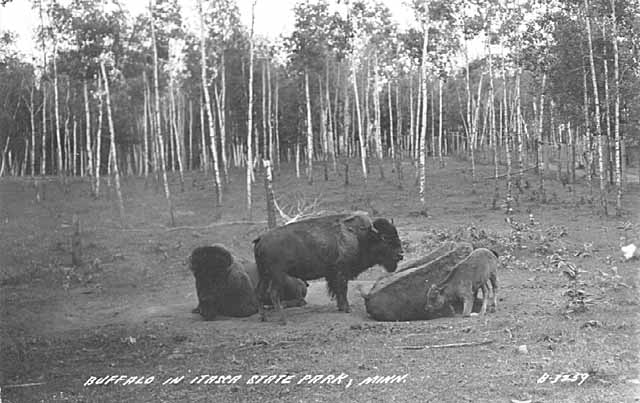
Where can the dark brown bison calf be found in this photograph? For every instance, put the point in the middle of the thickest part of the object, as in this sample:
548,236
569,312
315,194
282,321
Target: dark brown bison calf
228,287
478,271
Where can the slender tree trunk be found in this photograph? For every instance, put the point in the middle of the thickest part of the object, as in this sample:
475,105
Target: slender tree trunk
32,116
440,123
223,142
87,139
423,140
541,190
250,112
56,106
520,179
433,124
587,135
222,118
492,130
309,130
603,195
96,176
178,136
346,122
190,154
75,146
263,81
356,102
323,126
270,147
156,90
572,146
145,131
607,108
616,109
204,160
205,88
67,158
330,131
412,120
112,136
507,140
276,122
397,139
391,135
298,158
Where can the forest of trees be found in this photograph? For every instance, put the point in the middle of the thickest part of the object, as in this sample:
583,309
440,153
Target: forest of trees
530,84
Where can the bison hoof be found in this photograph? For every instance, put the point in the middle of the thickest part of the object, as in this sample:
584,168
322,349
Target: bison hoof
344,309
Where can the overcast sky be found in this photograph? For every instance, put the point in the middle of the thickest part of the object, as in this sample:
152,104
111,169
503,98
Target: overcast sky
273,17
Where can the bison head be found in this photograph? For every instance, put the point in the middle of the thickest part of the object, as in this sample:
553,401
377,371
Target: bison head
384,244
435,298
209,265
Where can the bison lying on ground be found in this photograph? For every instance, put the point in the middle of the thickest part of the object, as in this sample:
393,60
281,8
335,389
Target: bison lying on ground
295,290
478,271
337,247
228,287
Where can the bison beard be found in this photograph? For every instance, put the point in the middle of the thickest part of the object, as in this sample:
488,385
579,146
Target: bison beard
337,247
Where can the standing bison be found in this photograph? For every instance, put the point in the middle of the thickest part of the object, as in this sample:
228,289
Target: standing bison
228,287
336,247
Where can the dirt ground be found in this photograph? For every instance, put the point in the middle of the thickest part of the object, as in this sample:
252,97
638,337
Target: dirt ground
565,329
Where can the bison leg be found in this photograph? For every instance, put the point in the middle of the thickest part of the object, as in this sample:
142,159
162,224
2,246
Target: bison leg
467,305
337,285
494,287
260,292
275,300
485,299
208,310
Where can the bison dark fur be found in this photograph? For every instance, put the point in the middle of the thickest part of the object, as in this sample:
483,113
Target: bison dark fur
228,287
222,284
478,271
295,290
336,247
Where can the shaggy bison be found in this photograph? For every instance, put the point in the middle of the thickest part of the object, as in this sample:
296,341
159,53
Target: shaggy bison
336,247
478,271
228,287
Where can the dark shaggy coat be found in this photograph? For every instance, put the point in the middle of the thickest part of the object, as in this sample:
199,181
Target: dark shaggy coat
228,287
336,247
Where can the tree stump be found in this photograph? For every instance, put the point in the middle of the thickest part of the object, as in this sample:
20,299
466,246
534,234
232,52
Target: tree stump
76,242
402,295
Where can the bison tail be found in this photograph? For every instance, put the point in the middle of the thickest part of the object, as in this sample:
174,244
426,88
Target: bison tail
363,294
493,277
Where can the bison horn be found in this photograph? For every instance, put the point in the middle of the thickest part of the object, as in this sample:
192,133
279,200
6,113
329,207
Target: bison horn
364,217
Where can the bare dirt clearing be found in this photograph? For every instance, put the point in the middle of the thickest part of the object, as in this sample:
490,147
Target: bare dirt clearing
126,311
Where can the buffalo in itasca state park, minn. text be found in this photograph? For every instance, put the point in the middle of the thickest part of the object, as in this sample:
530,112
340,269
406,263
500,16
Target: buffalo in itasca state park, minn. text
337,247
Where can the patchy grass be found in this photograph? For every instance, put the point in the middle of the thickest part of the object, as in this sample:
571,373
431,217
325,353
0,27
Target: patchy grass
564,294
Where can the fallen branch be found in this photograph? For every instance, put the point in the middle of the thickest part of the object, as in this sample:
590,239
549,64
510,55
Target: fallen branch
219,224
23,385
474,343
513,173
